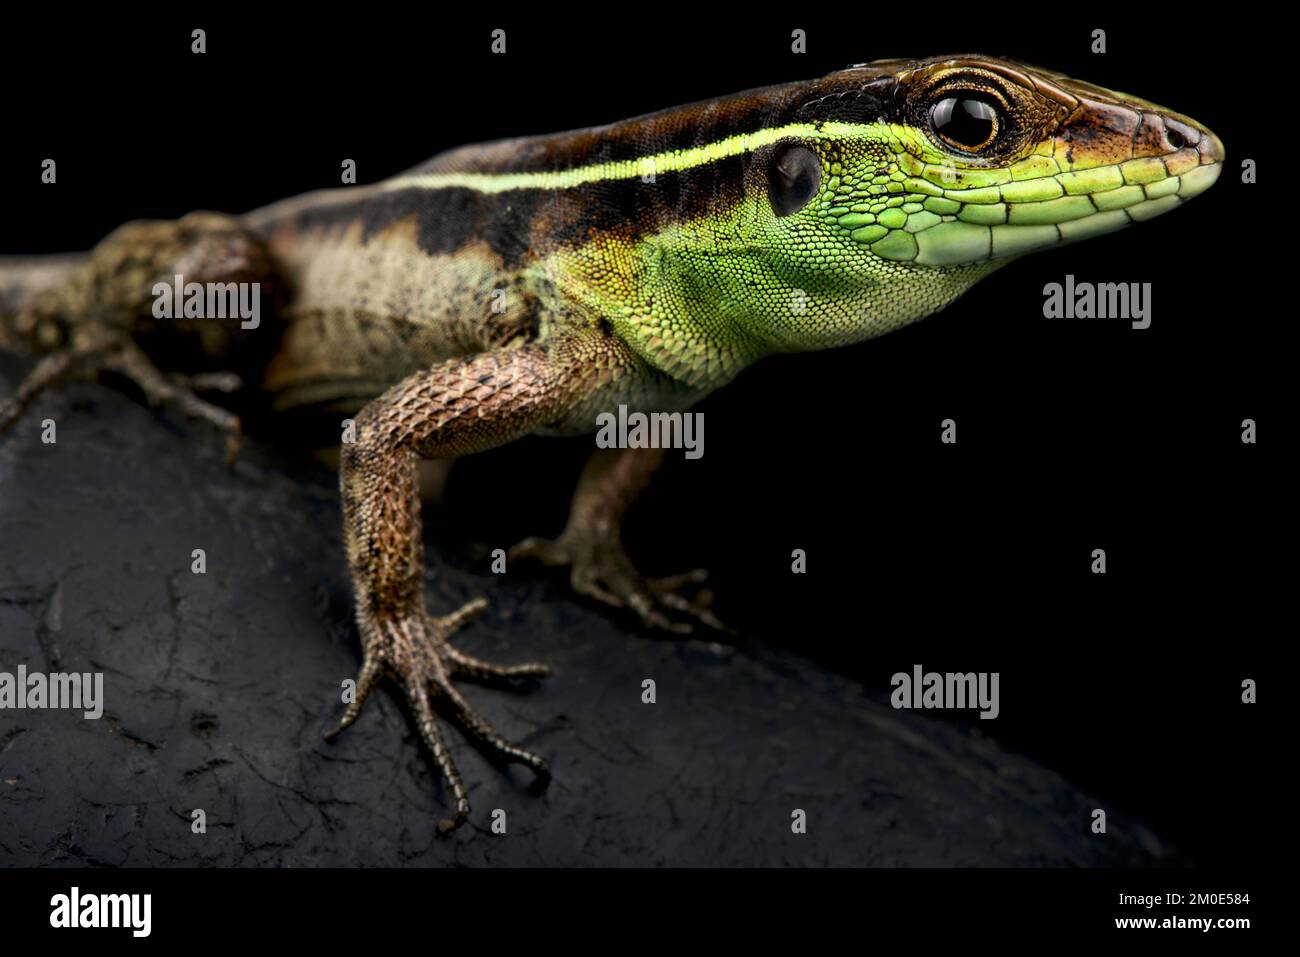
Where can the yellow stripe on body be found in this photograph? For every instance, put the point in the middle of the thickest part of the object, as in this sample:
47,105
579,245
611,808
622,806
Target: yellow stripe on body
672,161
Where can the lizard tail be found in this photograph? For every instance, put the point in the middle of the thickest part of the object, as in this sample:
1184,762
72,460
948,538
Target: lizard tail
23,279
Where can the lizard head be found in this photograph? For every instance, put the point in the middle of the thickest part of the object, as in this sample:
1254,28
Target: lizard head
821,213
898,184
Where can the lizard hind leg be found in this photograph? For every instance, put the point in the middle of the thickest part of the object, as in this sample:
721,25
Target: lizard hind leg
97,349
93,314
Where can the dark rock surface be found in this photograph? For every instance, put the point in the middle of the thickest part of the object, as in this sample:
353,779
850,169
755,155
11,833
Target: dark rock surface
219,686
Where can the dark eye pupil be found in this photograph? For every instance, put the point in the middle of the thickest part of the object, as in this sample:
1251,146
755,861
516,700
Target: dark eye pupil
963,122
794,179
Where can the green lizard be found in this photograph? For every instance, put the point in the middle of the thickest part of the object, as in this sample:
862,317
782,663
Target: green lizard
526,286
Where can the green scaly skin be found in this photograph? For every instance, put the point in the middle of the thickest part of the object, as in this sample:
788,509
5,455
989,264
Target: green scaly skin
526,286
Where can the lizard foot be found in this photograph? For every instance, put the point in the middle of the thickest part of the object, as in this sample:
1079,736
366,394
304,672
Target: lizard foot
416,651
96,349
601,569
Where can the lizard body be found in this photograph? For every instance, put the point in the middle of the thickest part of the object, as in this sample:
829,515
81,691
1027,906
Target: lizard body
525,286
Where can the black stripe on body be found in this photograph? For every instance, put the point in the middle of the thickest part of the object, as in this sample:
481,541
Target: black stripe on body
521,225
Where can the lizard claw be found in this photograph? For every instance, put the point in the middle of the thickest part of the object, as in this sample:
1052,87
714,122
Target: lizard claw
601,569
416,651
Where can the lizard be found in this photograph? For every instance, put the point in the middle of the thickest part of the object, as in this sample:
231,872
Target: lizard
524,286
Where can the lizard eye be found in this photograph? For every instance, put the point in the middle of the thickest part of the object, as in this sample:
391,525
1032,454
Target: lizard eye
965,121
794,178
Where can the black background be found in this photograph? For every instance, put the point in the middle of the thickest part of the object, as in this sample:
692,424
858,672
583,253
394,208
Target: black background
1073,435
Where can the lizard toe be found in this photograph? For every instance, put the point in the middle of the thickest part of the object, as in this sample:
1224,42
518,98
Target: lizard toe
415,650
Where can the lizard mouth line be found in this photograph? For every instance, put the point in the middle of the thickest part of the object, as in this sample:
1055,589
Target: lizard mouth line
993,223
1110,209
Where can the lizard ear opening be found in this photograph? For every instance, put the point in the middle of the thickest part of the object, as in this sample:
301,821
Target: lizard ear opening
793,179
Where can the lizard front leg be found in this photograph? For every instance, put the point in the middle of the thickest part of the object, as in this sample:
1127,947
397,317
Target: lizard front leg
591,544
459,407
